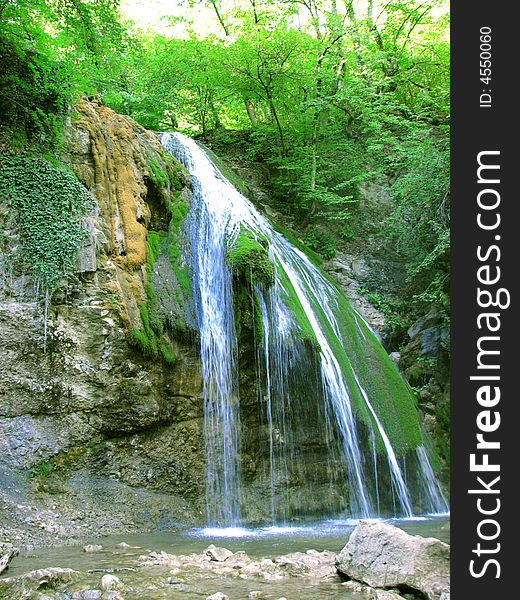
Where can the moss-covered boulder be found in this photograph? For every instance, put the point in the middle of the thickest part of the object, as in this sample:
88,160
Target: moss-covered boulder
248,257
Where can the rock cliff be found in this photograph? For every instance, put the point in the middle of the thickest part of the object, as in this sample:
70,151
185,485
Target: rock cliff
91,420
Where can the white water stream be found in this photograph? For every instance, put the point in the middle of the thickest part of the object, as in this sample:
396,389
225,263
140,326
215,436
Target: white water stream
217,214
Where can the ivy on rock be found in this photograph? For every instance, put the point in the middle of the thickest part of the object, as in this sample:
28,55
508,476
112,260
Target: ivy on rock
45,206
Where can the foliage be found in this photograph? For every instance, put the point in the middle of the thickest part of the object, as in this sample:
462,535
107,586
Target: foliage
34,93
50,52
46,205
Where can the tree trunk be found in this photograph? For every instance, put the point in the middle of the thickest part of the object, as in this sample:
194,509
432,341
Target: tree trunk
219,17
251,111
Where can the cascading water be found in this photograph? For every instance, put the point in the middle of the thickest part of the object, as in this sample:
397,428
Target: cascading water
346,357
436,499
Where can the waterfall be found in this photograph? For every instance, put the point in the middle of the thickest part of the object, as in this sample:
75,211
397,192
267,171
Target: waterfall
437,502
301,308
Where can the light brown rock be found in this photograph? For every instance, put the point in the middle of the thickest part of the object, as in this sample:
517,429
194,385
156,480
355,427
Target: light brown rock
218,554
384,556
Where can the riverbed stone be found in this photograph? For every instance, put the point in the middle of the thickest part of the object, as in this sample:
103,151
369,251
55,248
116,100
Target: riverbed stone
218,554
111,582
87,595
7,552
49,577
384,556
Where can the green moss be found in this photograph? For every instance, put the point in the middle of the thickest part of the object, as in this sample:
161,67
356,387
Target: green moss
154,241
48,475
146,344
364,357
293,304
390,396
314,257
40,471
178,211
159,176
46,206
152,339
166,350
248,317
249,259
166,172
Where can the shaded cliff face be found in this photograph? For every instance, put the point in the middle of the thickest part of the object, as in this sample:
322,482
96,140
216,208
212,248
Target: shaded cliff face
92,415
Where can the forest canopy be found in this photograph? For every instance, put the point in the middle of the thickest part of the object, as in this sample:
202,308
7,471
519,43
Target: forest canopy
328,96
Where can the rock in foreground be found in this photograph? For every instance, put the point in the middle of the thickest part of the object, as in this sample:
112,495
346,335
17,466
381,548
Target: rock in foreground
384,556
7,551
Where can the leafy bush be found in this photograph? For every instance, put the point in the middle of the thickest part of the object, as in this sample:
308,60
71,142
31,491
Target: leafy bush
34,94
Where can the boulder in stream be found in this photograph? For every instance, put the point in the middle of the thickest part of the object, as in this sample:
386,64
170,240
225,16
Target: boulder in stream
48,578
384,556
92,548
218,554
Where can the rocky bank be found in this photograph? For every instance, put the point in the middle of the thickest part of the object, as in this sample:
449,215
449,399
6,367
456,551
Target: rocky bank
379,562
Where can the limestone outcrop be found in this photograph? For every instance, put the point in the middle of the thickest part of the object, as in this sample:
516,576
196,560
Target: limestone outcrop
81,408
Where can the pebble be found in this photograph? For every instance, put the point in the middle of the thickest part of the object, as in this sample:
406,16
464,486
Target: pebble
111,582
87,595
92,548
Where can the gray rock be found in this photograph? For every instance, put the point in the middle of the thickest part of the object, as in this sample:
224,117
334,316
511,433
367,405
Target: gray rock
91,548
111,595
48,577
384,556
218,554
111,582
89,595
218,596
395,357
386,595
7,552
432,334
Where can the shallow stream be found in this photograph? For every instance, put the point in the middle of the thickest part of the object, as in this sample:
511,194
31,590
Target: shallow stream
156,582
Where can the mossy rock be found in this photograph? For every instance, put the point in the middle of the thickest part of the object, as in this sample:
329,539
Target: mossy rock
166,310
248,258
